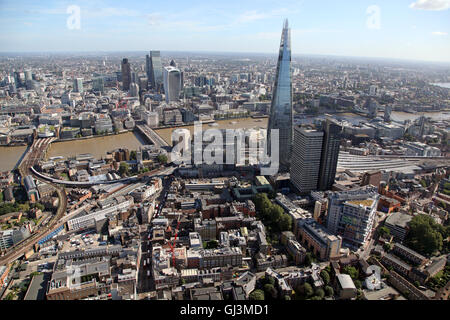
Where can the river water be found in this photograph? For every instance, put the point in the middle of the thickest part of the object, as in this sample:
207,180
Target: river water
9,156
98,146
443,85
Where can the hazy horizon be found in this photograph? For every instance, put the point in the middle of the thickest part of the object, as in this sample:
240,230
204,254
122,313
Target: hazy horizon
224,53
416,30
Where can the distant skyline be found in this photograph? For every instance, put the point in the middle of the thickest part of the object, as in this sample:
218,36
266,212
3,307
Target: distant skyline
401,29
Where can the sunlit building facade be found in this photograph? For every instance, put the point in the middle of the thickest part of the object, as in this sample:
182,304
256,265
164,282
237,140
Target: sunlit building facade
281,108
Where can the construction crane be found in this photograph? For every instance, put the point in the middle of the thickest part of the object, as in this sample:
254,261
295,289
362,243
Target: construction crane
172,246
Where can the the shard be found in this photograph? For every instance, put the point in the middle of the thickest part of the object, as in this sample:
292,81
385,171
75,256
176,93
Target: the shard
281,108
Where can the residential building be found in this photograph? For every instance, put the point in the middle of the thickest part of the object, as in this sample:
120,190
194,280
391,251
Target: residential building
316,238
351,214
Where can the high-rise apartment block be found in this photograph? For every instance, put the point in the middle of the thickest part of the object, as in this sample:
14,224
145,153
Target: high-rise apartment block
351,214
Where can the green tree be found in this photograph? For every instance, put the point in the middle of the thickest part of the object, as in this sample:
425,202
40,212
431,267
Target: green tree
351,271
384,231
325,276
329,291
308,259
387,246
425,235
162,158
308,290
268,280
275,212
24,207
285,223
212,244
320,293
358,284
9,296
124,168
39,206
257,294
133,155
270,291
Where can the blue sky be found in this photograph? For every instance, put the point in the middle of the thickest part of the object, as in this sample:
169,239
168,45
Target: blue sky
405,29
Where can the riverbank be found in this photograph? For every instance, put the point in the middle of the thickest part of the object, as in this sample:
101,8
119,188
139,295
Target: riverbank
236,123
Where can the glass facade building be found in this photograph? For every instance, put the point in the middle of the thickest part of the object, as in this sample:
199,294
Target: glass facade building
126,74
172,84
330,154
281,108
155,70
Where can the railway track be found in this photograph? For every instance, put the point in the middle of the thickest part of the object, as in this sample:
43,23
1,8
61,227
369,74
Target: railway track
35,153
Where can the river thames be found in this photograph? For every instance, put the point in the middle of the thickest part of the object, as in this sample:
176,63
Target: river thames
99,146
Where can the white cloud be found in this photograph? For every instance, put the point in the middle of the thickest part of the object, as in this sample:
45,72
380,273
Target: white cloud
252,16
109,12
439,33
255,15
432,5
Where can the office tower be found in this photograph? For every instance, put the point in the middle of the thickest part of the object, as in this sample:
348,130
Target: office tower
126,75
98,84
281,108
28,75
182,80
351,214
134,90
422,121
372,107
373,90
147,66
173,64
172,84
330,154
305,164
19,79
156,70
387,113
143,83
78,85
134,77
